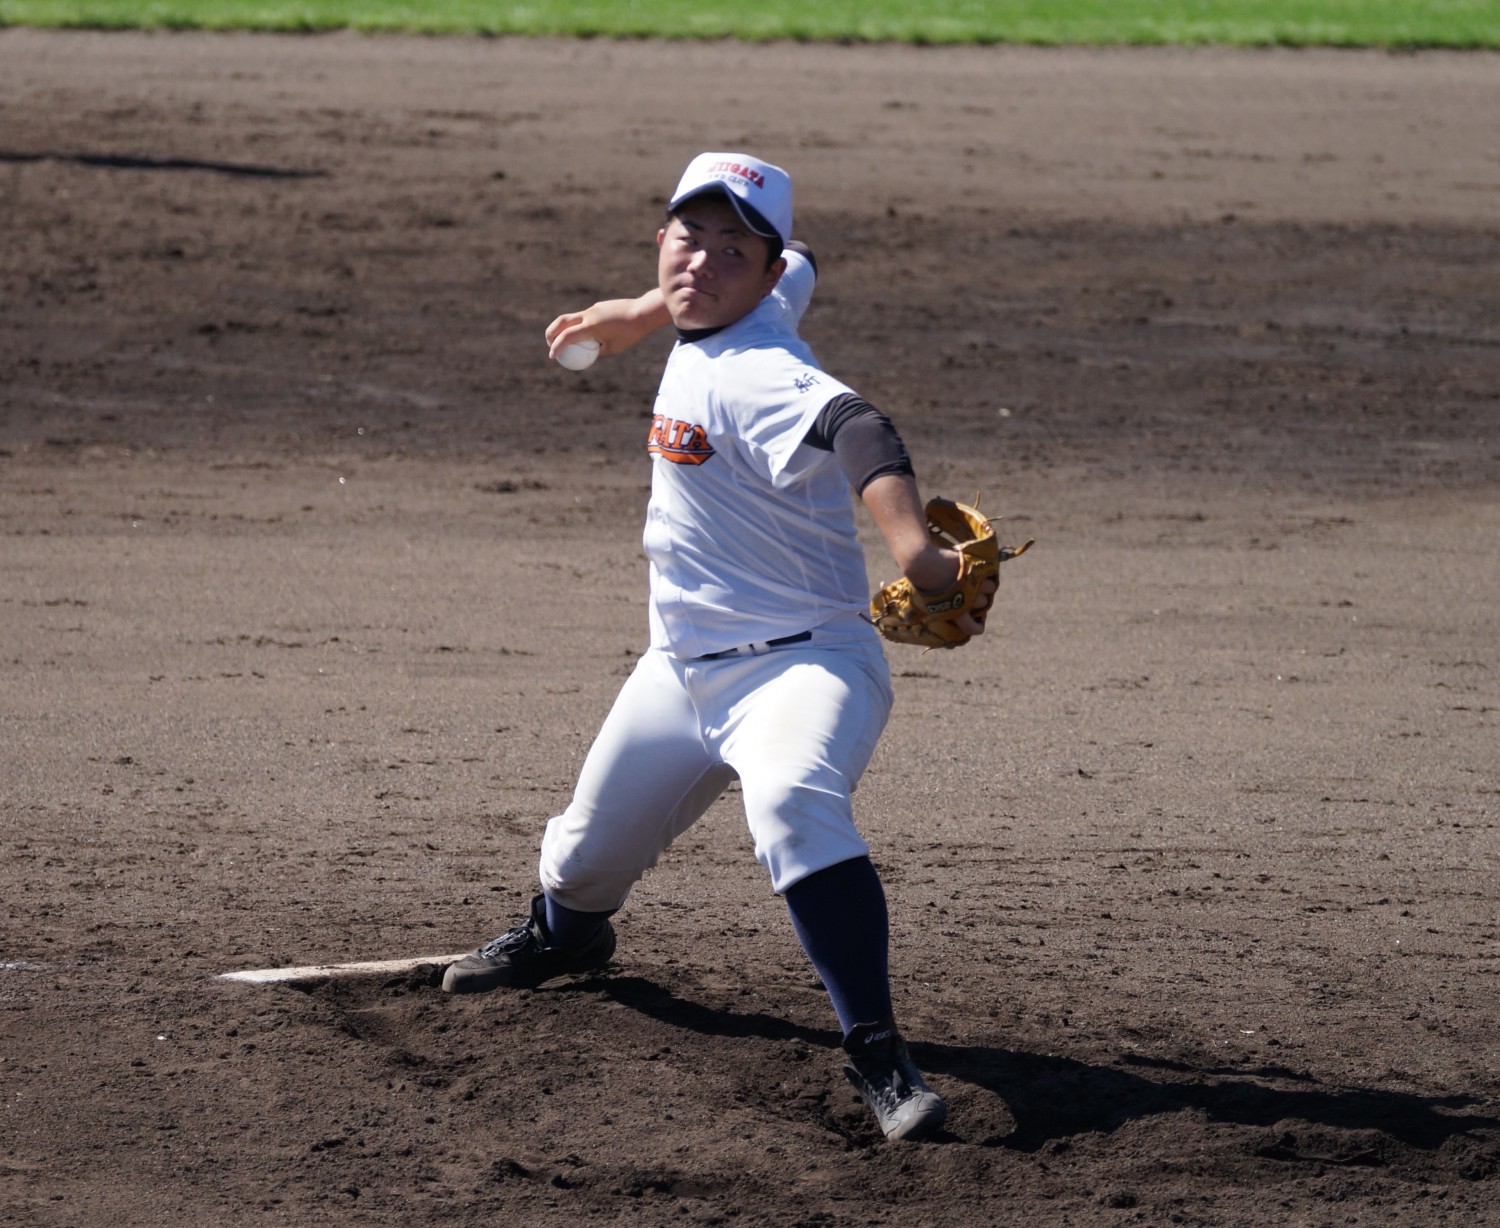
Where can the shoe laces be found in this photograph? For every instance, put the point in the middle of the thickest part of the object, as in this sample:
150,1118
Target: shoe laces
890,1083
513,940
889,1074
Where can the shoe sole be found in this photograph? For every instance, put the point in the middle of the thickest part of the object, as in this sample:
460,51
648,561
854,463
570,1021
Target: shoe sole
457,980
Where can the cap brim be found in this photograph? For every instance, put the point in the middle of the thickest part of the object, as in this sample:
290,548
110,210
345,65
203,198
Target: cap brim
748,213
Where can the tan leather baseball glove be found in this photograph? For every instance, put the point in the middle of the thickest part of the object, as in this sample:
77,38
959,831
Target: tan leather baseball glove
905,614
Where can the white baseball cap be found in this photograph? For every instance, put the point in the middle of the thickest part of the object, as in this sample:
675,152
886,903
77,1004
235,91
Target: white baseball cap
760,193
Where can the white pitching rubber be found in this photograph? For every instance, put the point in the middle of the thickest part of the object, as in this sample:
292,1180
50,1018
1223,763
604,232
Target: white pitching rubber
324,972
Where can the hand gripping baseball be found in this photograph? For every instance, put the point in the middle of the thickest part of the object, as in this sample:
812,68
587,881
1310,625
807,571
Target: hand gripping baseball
906,614
608,327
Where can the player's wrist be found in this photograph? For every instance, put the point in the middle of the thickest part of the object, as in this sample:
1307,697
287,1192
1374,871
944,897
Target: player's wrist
932,570
649,311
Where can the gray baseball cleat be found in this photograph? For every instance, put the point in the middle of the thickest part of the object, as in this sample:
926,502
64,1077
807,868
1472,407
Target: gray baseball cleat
524,957
881,1069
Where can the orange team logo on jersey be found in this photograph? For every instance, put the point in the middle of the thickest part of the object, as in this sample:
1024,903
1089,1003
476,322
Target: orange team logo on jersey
682,443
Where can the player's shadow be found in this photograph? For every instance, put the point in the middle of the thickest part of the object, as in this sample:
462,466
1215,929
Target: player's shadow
130,162
1054,1098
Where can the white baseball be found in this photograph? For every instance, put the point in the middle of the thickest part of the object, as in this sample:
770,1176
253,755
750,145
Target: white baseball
578,355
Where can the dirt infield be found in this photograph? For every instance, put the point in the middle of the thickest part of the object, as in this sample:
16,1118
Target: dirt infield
317,579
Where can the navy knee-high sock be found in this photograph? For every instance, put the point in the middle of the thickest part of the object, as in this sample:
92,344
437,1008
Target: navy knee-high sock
841,920
567,927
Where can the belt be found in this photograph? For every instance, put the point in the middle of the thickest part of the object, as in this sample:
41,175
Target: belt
746,650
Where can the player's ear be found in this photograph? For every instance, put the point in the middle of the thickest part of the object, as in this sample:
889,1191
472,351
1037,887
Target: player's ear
773,274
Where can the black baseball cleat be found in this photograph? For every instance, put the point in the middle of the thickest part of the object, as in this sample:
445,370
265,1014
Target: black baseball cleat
881,1069
524,957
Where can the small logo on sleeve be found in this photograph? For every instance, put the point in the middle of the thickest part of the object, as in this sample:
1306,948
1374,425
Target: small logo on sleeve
682,443
804,382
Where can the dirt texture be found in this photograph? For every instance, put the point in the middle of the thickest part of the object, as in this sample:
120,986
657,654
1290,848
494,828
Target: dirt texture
318,579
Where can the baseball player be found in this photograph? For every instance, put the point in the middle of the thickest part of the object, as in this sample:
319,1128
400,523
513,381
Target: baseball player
761,666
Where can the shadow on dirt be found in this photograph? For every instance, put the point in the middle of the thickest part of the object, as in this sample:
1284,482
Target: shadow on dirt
1053,1098
128,162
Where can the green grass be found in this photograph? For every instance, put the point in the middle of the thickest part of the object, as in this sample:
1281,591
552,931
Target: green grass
1338,23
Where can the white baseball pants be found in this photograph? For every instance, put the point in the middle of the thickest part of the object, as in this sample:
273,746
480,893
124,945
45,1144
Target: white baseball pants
796,724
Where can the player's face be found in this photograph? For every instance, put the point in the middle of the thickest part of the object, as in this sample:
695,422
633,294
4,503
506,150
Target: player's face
711,268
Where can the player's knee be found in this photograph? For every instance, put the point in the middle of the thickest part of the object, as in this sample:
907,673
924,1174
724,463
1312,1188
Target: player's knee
800,830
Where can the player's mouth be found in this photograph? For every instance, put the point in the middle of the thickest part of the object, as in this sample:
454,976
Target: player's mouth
694,299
